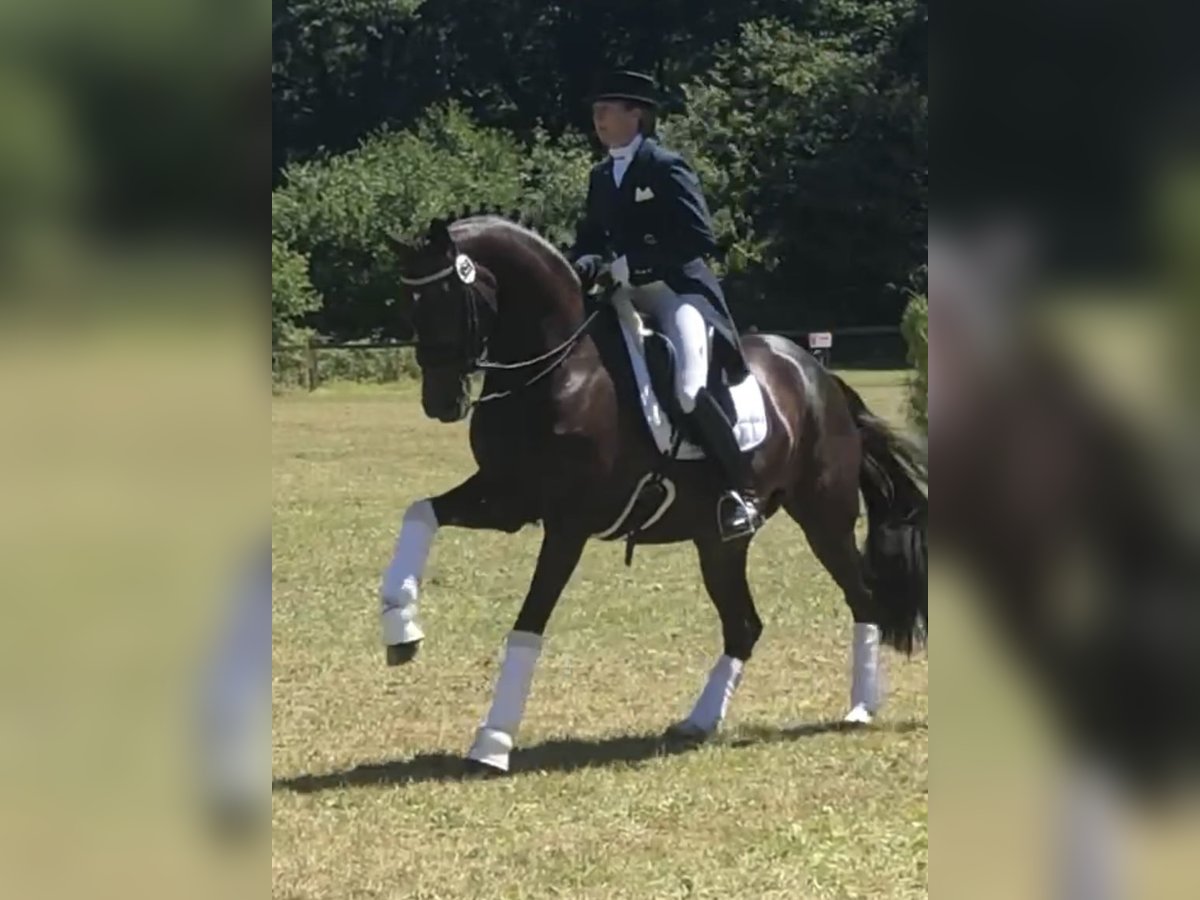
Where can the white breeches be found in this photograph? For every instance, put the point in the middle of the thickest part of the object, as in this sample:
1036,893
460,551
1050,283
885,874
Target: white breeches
686,328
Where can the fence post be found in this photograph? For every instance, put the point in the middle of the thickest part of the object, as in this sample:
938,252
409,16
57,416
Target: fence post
820,344
311,354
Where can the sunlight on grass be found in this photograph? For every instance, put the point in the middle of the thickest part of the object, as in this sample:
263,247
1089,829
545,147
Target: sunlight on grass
369,804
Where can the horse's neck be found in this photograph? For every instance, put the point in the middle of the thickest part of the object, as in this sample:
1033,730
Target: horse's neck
534,313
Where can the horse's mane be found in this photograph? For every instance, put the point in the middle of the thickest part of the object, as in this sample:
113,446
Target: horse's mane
474,223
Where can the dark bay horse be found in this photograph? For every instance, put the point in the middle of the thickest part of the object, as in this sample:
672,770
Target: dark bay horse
559,439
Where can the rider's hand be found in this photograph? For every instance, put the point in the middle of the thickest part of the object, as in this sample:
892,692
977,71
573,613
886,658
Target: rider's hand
604,278
588,269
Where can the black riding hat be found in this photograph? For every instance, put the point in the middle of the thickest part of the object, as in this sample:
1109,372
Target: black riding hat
627,86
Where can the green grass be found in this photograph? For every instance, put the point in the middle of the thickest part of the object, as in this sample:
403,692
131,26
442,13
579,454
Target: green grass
776,806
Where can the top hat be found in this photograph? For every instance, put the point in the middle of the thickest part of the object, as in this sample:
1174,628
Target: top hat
627,86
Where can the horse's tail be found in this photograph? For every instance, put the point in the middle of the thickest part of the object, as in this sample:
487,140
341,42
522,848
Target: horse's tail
894,469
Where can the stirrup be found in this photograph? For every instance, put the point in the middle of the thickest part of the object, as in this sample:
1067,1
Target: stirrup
737,517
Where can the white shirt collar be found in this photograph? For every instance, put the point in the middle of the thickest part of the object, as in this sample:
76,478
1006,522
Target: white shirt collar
628,150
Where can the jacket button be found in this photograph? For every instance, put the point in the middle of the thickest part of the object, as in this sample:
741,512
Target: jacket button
649,239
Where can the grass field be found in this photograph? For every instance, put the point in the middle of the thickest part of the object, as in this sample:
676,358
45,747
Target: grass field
368,802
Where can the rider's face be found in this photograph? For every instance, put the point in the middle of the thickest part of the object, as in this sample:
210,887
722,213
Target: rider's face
616,122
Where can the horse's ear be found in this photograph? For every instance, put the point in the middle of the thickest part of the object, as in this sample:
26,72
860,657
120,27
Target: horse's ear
439,235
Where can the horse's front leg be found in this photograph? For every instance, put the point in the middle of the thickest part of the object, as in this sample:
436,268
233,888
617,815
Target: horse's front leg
470,505
497,733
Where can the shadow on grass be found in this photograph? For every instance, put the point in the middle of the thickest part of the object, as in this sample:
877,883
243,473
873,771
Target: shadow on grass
569,755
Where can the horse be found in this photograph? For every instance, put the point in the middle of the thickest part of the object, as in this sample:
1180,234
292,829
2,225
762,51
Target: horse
559,439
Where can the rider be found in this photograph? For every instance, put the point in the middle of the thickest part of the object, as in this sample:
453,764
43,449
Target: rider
645,207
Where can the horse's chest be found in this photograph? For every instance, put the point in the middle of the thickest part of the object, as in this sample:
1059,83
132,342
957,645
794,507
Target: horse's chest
500,439
512,437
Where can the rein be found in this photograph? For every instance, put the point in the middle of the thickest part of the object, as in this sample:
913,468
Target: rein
464,267
562,351
429,279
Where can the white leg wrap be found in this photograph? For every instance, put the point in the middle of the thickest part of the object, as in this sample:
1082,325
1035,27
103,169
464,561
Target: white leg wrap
713,702
497,734
1091,859
235,702
401,581
865,692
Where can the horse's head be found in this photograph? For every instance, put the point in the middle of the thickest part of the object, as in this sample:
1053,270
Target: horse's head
454,303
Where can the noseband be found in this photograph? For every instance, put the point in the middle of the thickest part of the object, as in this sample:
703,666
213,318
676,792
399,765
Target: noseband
481,306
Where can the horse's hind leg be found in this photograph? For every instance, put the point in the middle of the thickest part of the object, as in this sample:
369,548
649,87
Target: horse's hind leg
723,565
469,505
828,520
496,735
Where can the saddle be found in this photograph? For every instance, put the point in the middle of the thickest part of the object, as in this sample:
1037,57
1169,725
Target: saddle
651,359
641,361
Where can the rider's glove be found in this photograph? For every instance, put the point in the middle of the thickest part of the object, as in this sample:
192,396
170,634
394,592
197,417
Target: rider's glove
588,269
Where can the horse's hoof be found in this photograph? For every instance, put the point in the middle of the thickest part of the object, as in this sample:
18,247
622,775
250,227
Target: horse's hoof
860,715
478,769
688,731
491,749
399,654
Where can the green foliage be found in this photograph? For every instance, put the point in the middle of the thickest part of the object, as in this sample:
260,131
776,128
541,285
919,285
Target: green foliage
806,122
344,68
336,65
337,211
290,365
292,294
374,366
814,155
554,181
915,326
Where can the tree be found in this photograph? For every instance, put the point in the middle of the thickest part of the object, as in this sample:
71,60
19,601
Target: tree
292,294
337,211
817,156
805,120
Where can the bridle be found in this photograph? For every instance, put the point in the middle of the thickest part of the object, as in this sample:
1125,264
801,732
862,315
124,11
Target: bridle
481,306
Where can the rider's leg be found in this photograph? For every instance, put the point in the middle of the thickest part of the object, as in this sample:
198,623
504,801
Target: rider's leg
738,514
688,331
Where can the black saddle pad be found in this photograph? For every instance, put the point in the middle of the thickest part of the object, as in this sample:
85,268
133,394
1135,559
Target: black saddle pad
726,366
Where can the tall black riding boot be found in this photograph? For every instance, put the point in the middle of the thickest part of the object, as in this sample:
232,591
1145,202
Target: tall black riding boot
737,509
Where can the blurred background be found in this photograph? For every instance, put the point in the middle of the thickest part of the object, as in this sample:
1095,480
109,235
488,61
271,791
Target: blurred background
134,167
1063,286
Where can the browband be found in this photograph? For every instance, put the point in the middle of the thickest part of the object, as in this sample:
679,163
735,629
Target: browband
463,266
